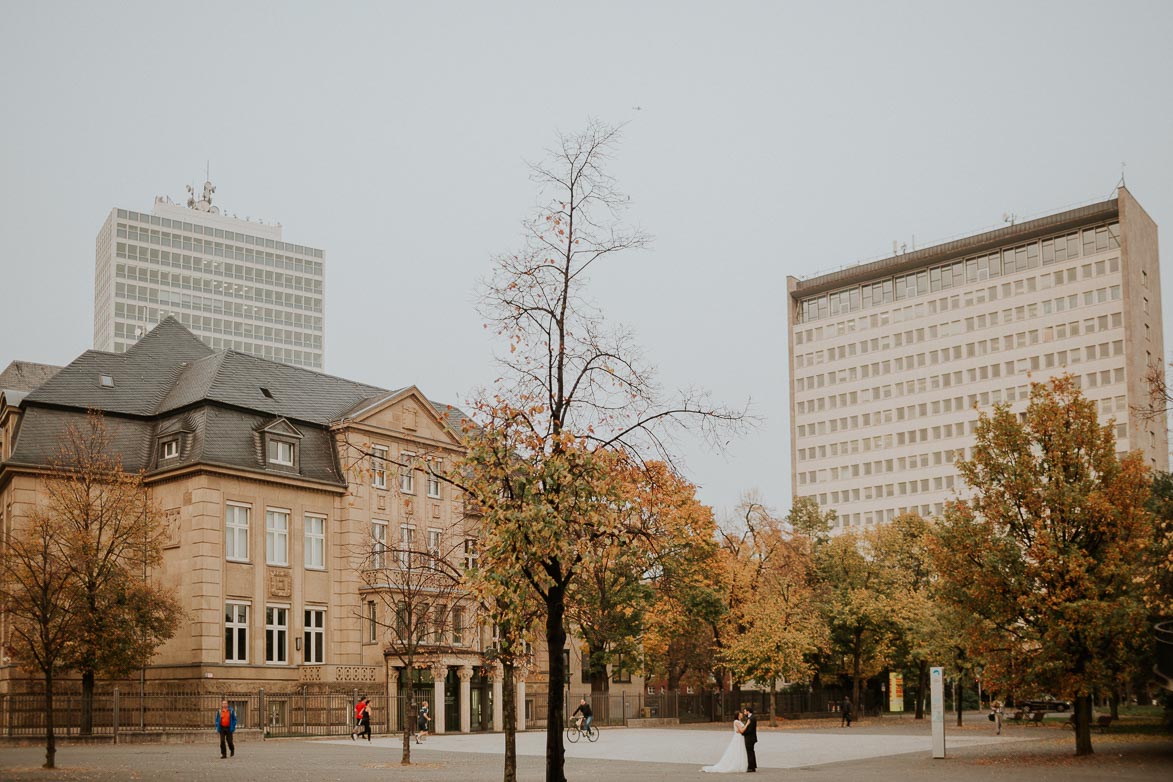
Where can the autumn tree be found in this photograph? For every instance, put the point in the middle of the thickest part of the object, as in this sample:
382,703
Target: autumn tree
112,534
782,628
1047,556
852,592
664,531
572,387
39,606
514,614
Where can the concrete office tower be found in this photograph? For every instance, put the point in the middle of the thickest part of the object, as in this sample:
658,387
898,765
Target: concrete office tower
891,361
234,283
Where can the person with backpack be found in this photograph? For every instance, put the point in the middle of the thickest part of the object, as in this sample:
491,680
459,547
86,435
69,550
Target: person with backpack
225,724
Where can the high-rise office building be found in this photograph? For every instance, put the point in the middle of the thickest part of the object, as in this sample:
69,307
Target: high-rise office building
234,283
891,361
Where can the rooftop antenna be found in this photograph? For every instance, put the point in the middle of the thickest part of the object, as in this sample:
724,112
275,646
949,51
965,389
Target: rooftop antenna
1009,218
1122,165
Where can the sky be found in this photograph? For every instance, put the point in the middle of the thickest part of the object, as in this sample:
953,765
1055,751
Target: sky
762,140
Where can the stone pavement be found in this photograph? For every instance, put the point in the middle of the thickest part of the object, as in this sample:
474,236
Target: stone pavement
890,750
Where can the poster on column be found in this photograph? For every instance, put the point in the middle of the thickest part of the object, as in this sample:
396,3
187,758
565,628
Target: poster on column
895,691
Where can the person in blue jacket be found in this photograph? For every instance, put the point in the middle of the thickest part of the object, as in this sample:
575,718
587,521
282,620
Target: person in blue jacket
226,726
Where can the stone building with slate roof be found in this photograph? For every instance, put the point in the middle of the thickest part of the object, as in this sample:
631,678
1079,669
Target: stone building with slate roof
263,473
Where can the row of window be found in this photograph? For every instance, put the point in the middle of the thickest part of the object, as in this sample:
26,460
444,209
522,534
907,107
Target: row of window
914,386
957,352
208,325
219,233
236,536
225,269
236,634
140,313
303,358
296,301
433,468
1010,260
406,555
437,623
965,300
966,325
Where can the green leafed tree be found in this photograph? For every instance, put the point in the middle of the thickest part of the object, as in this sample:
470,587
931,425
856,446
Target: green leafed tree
1047,556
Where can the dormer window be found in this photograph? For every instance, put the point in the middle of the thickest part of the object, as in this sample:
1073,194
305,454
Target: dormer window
106,381
281,452
170,448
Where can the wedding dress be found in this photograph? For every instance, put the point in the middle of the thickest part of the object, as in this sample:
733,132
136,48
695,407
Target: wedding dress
734,760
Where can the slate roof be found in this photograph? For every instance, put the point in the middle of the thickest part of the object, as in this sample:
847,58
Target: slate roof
217,402
26,375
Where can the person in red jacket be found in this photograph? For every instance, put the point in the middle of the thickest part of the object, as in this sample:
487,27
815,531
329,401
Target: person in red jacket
362,718
226,725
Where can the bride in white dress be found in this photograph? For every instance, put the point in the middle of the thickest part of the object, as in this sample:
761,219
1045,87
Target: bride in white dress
734,760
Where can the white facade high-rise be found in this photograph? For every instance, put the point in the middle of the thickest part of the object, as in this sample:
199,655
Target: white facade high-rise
234,283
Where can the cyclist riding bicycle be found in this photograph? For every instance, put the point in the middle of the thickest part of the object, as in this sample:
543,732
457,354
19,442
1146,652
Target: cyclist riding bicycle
584,722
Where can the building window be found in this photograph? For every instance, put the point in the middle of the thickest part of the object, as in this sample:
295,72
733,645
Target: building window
236,632
457,625
277,537
439,616
378,544
434,538
281,452
379,467
433,487
171,447
236,532
315,636
470,554
406,538
407,474
566,666
276,635
315,542
372,622
620,674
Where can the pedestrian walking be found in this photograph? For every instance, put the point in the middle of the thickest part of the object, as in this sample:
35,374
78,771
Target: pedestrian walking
359,706
422,723
845,712
996,716
225,724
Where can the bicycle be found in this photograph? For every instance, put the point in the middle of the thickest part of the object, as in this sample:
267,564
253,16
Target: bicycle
575,731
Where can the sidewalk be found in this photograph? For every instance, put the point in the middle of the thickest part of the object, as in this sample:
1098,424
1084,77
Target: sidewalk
895,750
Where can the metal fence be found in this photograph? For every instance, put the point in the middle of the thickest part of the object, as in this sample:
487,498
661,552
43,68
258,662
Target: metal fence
304,713
276,714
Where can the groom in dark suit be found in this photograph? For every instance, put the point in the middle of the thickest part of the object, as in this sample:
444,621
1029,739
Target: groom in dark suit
750,734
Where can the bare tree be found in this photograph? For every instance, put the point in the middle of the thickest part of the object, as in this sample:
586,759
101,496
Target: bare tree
574,389
417,585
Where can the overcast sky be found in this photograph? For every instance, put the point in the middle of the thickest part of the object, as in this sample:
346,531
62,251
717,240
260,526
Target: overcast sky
764,140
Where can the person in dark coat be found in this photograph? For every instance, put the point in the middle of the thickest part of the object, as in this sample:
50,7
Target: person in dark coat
750,735
845,712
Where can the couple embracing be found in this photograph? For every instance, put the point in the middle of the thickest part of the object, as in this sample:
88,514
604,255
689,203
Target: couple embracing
739,755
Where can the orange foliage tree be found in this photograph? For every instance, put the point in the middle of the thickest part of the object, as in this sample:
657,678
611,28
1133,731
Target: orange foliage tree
1047,556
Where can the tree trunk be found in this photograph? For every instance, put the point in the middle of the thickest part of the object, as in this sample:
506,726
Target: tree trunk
856,685
50,736
1083,724
1114,704
959,695
773,702
86,718
409,711
509,709
922,684
555,643
600,682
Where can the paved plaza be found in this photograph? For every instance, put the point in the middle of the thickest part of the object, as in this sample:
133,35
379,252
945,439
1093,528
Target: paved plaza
896,750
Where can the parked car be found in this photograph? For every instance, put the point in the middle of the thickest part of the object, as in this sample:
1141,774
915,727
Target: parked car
1047,704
